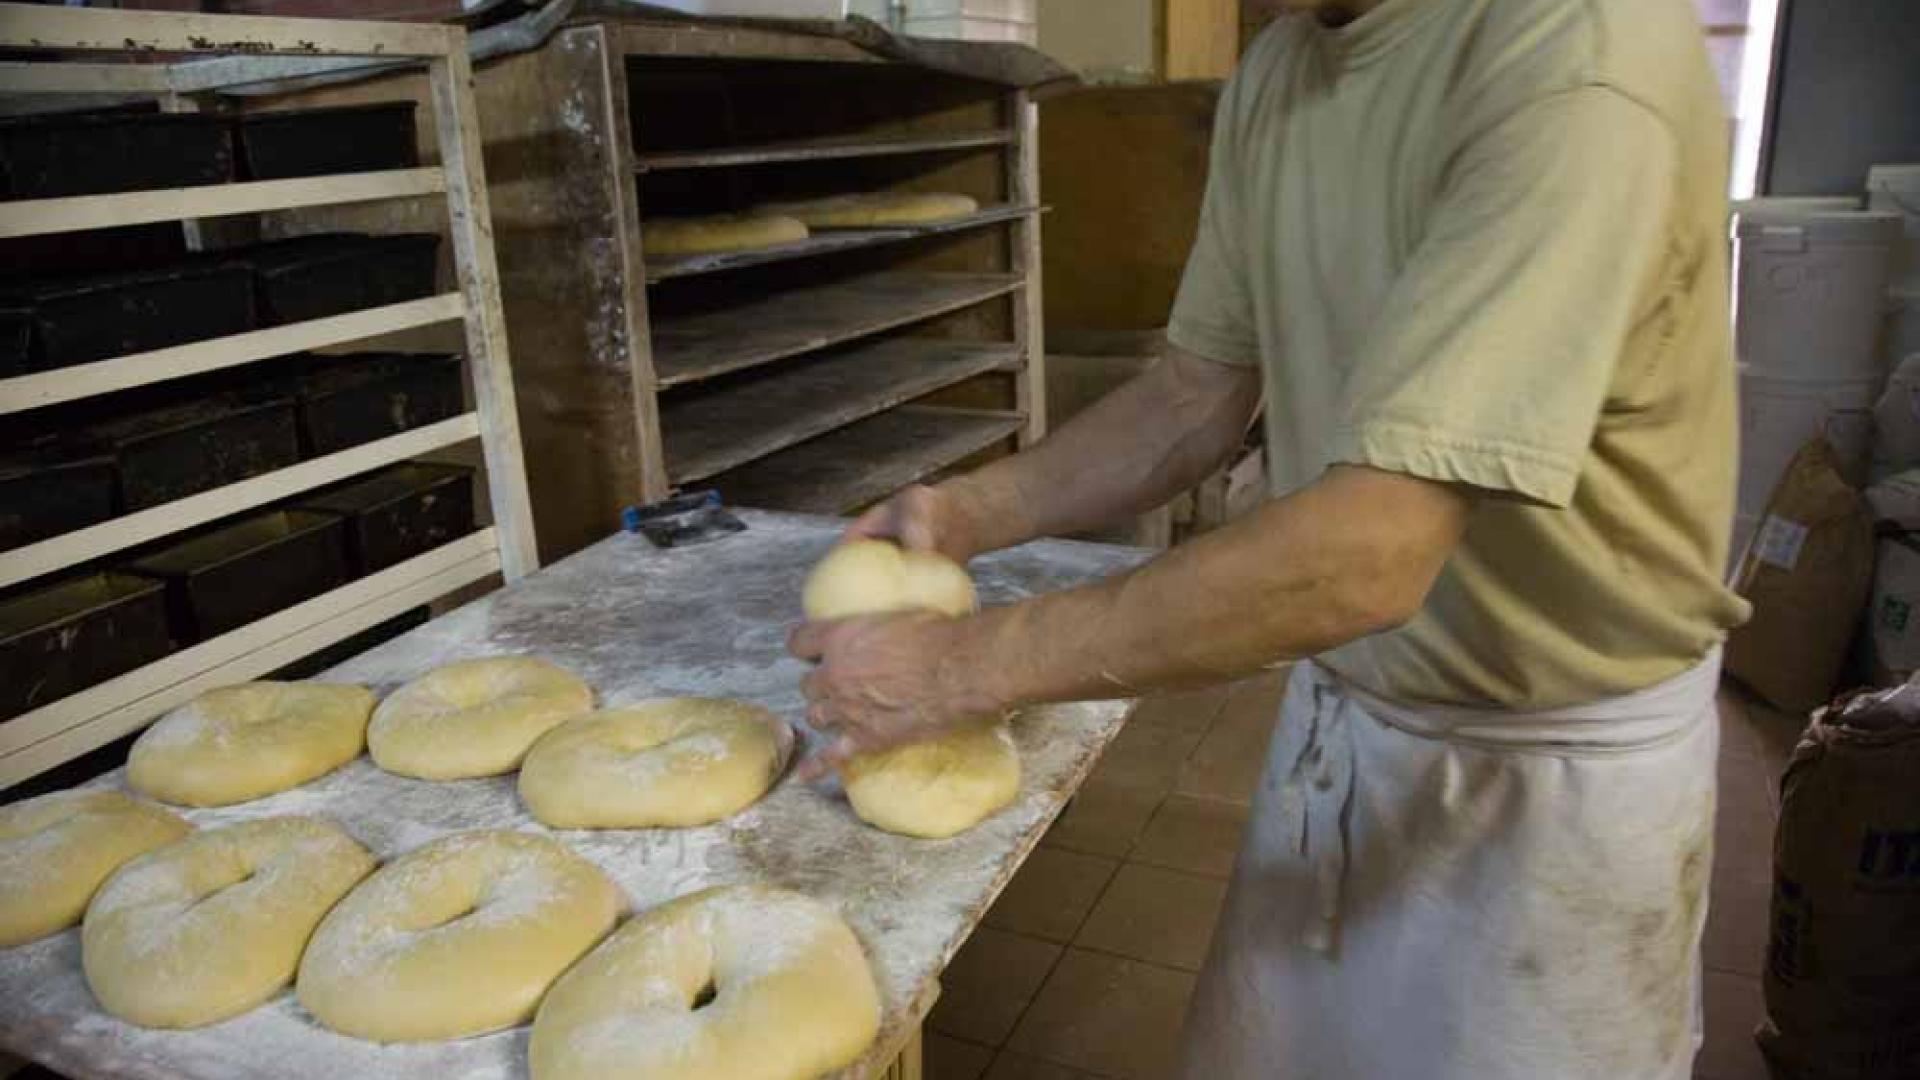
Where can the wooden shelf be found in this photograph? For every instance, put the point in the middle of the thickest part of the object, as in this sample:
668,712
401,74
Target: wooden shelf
824,242
854,466
64,729
41,217
118,534
140,369
818,150
728,428
801,320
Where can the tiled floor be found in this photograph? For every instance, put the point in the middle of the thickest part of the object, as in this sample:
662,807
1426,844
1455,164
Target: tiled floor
1084,966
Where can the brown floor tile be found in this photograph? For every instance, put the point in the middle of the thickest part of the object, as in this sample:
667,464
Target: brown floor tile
1189,711
1734,1009
1052,894
1737,927
1160,916
947,1058
1145,756
1201,836
1227,764
989,984
1107,1015
1104,818
1012,1066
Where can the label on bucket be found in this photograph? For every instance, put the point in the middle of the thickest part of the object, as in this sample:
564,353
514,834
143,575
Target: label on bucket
1780,542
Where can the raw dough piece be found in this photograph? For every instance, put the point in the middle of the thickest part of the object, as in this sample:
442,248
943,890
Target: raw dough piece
473,718
55,850
718,234
745,982
249,741
675,763
214,925
878,210
457,938
937,788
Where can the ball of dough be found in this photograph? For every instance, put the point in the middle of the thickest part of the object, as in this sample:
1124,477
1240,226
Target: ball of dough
457,938
214,925
879,209
246,742
718,234
874,577
745,982
473,718
938,788
56,849
673,763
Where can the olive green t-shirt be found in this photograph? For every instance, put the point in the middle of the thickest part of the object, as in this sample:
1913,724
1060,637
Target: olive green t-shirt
1483,242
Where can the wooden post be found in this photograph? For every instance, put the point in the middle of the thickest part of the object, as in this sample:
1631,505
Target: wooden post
469,218
1202,39
654,484
1029,320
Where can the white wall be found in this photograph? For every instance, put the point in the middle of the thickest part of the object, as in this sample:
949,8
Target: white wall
1104,40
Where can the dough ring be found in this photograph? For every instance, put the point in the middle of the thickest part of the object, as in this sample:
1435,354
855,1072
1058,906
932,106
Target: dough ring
460,937
677,762
747,982
214,925
249,741
474,718
878,210
938,788
55,850
875,577
718,234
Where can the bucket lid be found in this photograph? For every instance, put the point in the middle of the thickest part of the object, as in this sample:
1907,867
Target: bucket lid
1862,227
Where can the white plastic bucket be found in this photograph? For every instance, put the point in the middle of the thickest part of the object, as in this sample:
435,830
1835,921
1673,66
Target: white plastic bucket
1896,420
1811,291
1896,189
1903,325
1778,416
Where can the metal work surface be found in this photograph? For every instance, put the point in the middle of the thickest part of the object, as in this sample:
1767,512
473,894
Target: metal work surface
637,623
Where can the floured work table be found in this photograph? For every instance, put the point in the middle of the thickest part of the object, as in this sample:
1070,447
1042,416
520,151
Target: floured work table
637,623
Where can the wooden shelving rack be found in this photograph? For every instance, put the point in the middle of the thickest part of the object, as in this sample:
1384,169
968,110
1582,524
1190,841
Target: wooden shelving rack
64,729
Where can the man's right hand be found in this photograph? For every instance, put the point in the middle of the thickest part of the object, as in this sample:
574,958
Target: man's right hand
919,518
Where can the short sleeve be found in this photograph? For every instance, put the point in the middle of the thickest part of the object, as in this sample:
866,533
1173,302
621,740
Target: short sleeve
1213,312
1492,360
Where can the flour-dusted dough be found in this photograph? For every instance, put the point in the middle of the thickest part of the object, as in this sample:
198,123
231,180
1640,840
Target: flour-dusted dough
744,982
932,789
214,925
878,210
457,938
719,233
473,718
675,763
249,741
56,849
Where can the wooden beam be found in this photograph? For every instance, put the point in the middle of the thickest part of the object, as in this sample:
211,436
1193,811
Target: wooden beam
35,26
1202,39
28,77
42,217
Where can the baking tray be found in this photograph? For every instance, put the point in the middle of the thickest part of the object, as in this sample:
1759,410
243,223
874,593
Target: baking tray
106,151
78,320
312,277
177,450
223,579
399,512
46,493
288,143
346,401
57,640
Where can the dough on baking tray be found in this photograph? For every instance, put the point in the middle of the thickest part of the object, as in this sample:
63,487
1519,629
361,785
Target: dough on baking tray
743,982
56,849
249,741
214,925
473,718
877,210
943,786
675,762
460,937
718,233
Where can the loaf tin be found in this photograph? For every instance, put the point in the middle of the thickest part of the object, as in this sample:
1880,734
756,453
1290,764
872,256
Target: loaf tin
312,277
399,512
289,143
94,251
16,338
346,401
78,320
47,492
57,640
174,451
237,573
114,150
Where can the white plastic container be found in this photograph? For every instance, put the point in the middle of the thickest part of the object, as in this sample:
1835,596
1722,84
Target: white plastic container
1811,288
1778,416
1896,420
1903,324
1896,189
974,20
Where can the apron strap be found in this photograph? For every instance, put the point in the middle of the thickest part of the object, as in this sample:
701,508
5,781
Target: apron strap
1314,801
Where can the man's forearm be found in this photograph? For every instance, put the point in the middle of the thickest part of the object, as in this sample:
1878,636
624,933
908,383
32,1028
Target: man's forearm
1136,448
1350,556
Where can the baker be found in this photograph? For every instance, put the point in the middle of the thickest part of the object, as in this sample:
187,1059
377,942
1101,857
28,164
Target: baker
1470,255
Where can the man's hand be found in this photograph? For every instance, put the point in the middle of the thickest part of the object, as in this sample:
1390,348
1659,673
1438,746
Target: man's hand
919,518
883,681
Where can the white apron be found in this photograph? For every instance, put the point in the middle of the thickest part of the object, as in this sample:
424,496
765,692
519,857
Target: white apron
1455,894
